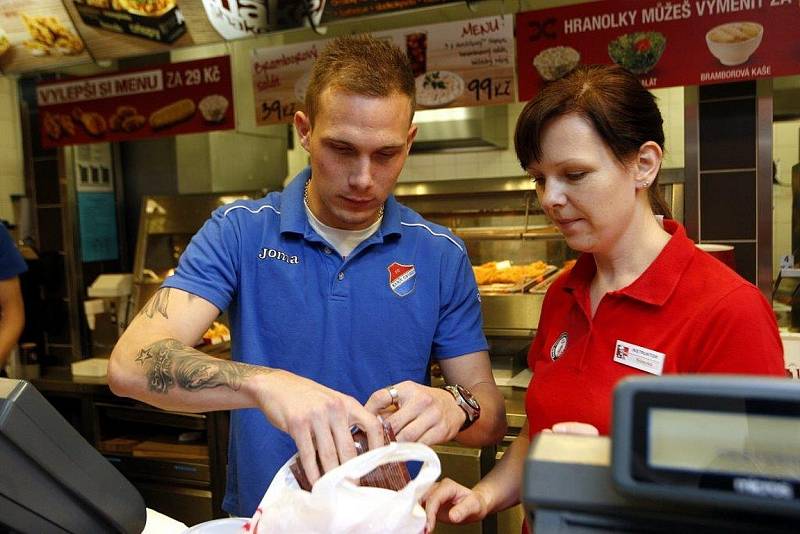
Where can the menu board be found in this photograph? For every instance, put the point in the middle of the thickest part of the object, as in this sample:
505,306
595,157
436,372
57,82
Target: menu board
124,28
37,35
280,78
665,43
341,9
188,97
465,63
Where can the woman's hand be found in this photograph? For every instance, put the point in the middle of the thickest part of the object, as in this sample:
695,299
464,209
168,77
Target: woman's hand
573,427
450,502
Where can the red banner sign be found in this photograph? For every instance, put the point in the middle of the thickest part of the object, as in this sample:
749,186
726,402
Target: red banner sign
189,97
666,43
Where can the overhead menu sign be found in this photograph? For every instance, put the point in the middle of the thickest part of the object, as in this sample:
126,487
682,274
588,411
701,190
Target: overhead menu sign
465,63
280,78
341,9
125,28
665,43
188,97
38,35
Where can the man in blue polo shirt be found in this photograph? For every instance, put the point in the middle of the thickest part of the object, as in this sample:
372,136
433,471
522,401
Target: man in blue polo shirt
338,298
12,309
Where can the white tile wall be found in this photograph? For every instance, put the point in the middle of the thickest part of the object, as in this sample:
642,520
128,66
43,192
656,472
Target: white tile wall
786,148
496,163
670,102
11,160
462,165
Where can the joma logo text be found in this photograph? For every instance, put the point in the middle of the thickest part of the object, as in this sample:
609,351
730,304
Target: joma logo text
272,254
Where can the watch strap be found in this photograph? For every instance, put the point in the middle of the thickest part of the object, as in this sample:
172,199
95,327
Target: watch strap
471,414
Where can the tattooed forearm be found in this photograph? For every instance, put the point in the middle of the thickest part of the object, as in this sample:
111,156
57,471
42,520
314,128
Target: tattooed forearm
157,360
169,362
157,303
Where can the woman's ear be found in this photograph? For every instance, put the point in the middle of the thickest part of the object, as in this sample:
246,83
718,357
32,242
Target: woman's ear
648,163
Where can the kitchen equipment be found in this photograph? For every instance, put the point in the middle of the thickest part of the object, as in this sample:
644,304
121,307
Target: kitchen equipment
499,220
166,225
107,310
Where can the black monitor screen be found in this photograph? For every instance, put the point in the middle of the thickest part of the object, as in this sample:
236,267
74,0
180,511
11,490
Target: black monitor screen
740,446
52,479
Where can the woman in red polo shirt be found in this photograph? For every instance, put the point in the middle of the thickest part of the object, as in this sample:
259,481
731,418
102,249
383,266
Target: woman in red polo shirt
640,299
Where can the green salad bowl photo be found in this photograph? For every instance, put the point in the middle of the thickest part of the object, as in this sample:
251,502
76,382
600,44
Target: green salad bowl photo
637,52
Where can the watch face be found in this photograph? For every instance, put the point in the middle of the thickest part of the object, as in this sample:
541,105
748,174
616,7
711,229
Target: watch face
468,398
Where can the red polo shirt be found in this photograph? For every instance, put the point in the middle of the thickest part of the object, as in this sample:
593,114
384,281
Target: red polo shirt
687,305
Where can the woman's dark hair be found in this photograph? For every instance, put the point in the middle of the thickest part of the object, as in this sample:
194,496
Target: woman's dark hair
613,100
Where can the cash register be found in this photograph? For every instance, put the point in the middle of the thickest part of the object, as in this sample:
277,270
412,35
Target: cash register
52,480
686,454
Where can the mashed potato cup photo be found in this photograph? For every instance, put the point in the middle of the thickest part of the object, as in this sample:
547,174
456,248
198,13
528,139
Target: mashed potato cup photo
556,61
734,42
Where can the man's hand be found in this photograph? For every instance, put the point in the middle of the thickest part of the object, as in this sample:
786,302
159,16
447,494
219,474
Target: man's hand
423,414
450,502
154,361
317,418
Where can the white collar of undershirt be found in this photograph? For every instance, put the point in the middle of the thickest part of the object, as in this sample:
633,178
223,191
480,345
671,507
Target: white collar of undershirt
343,241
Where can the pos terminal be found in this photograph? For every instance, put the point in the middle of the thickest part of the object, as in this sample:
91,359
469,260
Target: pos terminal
687,454
52,480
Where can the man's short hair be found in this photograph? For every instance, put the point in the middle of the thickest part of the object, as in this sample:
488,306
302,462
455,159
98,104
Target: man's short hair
362,65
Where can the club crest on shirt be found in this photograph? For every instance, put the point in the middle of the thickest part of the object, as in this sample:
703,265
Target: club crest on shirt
559,346
402,278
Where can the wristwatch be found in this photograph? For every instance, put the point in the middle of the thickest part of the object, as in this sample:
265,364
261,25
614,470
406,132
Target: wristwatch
466,402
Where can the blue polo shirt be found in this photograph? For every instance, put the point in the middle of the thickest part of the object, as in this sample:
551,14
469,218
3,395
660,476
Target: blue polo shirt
11,262
405,295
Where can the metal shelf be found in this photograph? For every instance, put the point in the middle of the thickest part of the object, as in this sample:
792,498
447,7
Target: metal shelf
508,232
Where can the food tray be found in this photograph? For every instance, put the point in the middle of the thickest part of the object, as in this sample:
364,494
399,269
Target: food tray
543,285
519,287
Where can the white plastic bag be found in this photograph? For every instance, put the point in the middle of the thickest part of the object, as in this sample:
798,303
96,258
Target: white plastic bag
336,505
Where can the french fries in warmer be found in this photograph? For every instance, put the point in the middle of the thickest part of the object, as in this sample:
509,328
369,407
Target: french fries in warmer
504,272
216,333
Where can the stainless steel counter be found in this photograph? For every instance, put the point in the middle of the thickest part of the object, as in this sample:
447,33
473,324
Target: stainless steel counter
515,407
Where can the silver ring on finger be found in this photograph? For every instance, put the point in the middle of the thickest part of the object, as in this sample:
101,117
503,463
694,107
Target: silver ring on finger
394,395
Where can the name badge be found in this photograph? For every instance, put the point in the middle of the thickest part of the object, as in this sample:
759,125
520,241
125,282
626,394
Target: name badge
642,358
